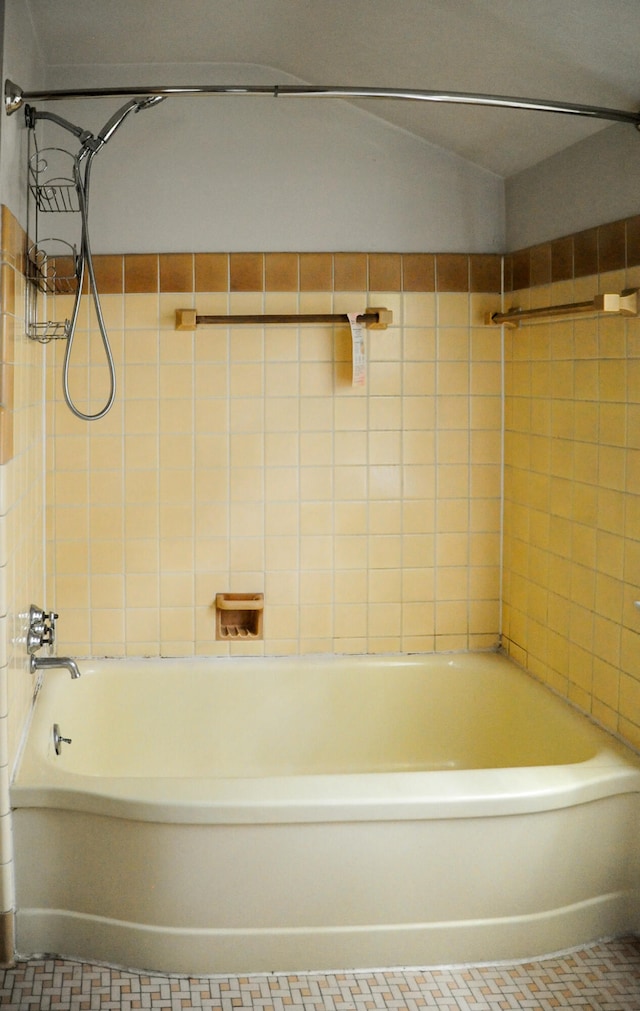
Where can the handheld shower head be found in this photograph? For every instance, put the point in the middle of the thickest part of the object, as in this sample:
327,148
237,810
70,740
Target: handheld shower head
134,105
146,103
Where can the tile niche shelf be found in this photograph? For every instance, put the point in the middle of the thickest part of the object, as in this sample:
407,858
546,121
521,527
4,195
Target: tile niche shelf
239,615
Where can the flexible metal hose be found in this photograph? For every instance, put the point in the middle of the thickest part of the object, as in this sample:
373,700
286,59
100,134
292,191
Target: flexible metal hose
85,268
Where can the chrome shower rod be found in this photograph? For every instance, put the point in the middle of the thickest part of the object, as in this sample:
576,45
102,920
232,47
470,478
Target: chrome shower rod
15,97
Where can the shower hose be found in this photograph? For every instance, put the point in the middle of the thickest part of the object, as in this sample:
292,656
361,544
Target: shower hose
90,145
85,269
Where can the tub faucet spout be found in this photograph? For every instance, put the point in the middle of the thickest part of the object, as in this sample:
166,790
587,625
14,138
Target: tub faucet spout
42,662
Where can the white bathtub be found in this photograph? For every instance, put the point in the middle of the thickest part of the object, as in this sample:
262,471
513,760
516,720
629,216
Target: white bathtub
256,815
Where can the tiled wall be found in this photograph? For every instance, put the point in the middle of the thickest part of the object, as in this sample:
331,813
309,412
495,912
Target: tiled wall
243,459
21,525
572,477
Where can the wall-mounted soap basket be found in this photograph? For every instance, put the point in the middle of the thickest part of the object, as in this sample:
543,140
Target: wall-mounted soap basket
52,266
51,180
239,615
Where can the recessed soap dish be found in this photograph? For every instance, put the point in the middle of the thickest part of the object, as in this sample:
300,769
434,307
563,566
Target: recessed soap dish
239,615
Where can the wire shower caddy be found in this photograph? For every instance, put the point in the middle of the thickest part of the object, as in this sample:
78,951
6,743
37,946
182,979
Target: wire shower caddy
52,263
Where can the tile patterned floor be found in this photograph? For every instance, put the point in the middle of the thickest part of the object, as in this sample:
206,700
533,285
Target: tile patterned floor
603,977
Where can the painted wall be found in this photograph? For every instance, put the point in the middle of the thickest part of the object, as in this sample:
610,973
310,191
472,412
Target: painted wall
245,173
588,184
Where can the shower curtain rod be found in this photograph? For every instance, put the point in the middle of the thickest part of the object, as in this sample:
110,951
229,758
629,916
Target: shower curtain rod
15,97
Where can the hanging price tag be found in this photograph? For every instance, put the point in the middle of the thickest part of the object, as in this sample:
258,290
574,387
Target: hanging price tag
358,350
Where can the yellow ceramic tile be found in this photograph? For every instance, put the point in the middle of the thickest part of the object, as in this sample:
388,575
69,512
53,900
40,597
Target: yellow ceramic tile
316,587
316,621
418,379
281,449
176,626
453,480
281,379
385,413
452,412
486,379
385,378
246,344
350,552
106,556
316,448
246,484
72,559
107,591
611,467
246,380
140,311
350,518
175,380
350,482
453,309
419,309
281,484
316,343
176,519
612,380
452,378
384,448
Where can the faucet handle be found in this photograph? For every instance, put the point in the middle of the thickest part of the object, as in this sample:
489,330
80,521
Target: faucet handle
36,615
42,628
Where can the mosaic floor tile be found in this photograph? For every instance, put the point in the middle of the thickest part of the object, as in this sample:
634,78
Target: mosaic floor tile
600,977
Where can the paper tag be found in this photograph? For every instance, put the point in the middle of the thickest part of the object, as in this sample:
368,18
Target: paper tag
358,350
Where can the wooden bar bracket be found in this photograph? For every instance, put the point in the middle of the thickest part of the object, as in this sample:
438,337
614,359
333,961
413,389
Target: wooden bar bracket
375,318
623,304
186,319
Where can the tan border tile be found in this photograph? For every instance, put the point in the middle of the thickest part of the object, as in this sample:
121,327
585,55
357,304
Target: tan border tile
521,277
316,272
452,272
611,246
176,272
109,271
485,272
281,272
633,241
385,272
350,272
246,272
141,273
418,272
540,264
562,259
211,271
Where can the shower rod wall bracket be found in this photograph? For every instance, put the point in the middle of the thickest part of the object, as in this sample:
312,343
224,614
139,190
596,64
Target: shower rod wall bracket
14,97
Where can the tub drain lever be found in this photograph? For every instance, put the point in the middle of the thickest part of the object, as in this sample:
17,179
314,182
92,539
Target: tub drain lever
58,739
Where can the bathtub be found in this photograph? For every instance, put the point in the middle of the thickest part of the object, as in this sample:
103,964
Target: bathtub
250,815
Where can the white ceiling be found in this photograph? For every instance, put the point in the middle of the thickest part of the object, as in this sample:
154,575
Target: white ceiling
581,51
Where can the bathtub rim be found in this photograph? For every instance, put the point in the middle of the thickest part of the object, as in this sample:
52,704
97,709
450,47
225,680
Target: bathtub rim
374,796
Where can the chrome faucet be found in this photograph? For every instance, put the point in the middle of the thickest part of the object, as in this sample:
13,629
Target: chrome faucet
42,662
42,632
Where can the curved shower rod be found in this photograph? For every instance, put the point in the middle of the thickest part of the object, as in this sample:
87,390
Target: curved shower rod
15,97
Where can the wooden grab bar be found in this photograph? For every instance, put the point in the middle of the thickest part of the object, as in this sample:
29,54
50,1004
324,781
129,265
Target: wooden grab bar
377,318
623,304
